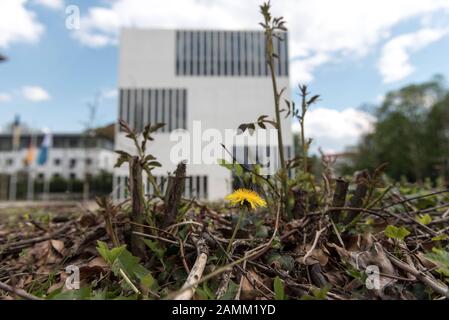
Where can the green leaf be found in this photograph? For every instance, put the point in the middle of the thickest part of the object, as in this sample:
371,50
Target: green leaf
84,293
396,233
231,292
224,164
317,294
120,258
278,287
156,126
440,237
148,281
149,157
425,219
154,164
121,160
273,123
285,261
205,292
155,247
251,128
242,128
109,255
441,259
238,169
122,153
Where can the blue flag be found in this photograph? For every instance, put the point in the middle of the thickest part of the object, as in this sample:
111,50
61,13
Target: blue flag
43,151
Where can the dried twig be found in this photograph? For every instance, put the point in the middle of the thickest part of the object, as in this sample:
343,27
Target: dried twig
18,292
341,189
434,285
315,242
28,242
189,287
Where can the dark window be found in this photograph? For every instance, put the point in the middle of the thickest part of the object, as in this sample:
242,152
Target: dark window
177,124
128,106
198,187
149,107
163,110
245,51
9,162
74,143
184,109
72,163
228,53
239,54
88,161
178,52
190,186
138,111
168,106
205,192
156,106
170,113
57,162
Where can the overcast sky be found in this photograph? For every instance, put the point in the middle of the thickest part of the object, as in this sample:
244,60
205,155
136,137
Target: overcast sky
349,51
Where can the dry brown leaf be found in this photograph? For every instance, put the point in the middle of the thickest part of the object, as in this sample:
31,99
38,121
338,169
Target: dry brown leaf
249,291
318,255
336,278
374,256
424,261
97,262
58,245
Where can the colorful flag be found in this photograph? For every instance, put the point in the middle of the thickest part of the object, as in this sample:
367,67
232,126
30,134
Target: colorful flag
45,146
31,154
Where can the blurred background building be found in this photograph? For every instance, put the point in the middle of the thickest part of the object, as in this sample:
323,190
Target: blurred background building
43,165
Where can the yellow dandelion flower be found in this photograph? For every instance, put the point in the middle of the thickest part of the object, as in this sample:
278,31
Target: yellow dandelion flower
246,197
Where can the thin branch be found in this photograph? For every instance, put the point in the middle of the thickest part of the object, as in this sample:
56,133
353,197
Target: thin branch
189,287
18,292
315,242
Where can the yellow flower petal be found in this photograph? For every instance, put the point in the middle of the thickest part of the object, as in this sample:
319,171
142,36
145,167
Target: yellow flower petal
245,196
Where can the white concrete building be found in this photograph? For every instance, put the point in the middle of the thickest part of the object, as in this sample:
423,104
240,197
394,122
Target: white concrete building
68,158
218,79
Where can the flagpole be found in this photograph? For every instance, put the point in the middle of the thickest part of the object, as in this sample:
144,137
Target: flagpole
42,159
13,185
46,188
15,139
30,191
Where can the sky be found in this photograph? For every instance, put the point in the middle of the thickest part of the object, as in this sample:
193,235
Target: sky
351,52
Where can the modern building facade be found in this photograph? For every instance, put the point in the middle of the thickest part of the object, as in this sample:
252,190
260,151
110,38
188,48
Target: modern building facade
197,80
69,157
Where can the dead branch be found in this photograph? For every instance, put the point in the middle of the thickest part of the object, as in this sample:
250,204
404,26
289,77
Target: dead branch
433,284
341,189
175,189
189,287
18,292
29,242
358,197
137,246
315,242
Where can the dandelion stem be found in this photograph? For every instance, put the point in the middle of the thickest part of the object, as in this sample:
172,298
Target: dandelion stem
234,233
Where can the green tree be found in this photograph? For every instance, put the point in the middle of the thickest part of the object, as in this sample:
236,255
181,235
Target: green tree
411,133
